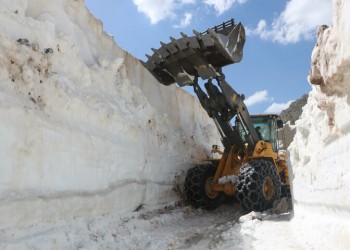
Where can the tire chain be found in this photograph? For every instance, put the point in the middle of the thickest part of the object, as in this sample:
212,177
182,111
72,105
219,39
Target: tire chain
250,185
195,187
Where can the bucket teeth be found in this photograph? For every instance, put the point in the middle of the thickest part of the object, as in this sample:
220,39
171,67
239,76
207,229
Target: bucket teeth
150,65
183,35
164,48
181,44
198,35
198,55
155,58
163,52
171,48
157,54
175,44
212,34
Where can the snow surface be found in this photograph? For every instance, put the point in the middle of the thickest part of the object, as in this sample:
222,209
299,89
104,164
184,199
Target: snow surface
85,128
320,152
92,145
179,227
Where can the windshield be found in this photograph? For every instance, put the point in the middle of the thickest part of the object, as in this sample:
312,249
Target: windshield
266,128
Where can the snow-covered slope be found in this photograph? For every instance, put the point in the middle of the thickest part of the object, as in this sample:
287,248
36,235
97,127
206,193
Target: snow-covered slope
85,128
320,152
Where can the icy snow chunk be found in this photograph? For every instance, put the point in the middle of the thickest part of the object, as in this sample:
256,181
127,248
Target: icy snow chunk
230,178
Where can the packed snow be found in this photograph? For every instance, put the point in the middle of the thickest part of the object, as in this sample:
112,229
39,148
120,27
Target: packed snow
94,150
85,128
319,154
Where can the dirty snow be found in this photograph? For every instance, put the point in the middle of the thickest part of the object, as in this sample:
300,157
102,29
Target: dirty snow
319,154
85,129
94,150
170,227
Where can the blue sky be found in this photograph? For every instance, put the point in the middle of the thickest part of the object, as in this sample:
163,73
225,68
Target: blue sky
280,37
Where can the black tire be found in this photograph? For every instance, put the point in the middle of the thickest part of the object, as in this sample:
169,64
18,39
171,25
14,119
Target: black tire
258,185
285,191
195,189
230,199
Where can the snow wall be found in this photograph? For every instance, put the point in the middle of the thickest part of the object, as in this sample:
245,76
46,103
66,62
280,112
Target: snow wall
85,128
320,152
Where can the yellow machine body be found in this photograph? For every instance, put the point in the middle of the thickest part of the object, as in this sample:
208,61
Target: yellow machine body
230,164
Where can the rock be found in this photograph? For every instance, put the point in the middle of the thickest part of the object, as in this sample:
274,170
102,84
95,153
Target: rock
294,111
280,206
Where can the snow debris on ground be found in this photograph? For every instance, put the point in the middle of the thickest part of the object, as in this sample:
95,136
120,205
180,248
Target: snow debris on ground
175,226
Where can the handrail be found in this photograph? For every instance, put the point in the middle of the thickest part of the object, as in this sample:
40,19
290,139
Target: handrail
223,26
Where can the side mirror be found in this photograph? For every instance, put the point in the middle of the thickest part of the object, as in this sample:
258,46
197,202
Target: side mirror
279,123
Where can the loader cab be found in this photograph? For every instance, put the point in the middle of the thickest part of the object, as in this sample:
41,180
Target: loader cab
268,128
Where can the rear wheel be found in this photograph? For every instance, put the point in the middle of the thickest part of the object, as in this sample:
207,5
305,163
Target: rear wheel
258,185
198,187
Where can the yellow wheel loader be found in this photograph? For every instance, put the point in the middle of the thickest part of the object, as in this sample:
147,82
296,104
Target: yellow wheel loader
252,166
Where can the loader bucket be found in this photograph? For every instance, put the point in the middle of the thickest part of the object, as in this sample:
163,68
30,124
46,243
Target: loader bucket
199,55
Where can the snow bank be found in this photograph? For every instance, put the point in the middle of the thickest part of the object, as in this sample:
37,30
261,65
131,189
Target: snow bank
85,128
320,152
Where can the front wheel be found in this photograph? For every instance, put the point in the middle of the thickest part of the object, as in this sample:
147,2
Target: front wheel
198,187
258,185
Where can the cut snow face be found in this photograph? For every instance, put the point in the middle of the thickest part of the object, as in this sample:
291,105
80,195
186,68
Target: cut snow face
319,154
85,128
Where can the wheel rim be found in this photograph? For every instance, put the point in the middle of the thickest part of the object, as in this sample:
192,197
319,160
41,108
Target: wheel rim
268,188
211,193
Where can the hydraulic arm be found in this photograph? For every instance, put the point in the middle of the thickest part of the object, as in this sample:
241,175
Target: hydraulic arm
203,55
223,106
